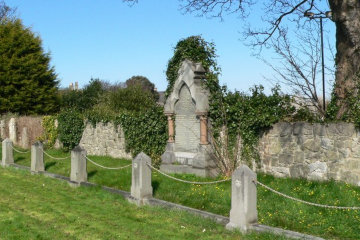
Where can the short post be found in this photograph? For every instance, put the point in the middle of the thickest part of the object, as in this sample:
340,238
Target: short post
141,188
7,152
243,211
78,165
37,157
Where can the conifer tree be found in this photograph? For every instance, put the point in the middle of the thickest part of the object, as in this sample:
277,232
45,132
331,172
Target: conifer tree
28,83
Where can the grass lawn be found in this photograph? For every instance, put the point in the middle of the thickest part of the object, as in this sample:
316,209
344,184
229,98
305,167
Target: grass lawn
273,210
38,207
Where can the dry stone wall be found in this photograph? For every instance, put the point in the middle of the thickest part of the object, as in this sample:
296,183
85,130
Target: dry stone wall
312,151
23,131
104,140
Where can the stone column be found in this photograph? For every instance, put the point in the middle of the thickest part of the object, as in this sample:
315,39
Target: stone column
243,211
12,130
78,165
203,129
37,157
7,152
170,118
24,138
141,188
2,129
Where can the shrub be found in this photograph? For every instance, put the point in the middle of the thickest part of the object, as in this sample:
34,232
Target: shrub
50,130
82,100
71,127
132,98
145,132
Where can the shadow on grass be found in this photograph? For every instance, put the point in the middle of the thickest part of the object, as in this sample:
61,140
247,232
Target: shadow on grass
155,186
19,159
92,173
49,165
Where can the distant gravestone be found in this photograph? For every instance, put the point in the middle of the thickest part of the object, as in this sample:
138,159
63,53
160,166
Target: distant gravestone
188,149
24,138
12,130
2,129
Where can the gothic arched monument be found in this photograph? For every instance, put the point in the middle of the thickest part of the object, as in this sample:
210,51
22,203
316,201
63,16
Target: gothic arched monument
188,149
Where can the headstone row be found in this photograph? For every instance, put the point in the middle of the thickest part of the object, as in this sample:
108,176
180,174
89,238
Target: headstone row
243,187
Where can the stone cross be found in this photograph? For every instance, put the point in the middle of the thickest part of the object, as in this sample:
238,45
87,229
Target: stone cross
7,152
243,211
78,165
37,157
141,178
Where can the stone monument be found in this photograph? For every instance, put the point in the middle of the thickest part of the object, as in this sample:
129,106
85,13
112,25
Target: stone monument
188,149
12,130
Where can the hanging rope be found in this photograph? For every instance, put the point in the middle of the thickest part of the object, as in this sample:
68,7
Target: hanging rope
54,157
302,201
18,150
111,168
185,181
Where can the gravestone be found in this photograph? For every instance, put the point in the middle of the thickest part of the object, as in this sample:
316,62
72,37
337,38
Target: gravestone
2,129
24,138
188,149
12,130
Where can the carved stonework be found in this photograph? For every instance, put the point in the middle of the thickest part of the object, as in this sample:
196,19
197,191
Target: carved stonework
188,149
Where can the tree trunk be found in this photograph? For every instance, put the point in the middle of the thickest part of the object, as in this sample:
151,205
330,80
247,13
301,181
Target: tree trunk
346,15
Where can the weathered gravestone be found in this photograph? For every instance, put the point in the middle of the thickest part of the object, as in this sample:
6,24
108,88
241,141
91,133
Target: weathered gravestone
12,130
188,149
2,129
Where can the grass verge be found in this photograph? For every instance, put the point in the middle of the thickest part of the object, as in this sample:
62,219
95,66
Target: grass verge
273,210
38,207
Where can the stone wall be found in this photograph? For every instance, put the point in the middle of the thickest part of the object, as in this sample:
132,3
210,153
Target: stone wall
312,151
104,140
23,131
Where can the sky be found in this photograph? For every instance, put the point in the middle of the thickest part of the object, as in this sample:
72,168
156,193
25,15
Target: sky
110,40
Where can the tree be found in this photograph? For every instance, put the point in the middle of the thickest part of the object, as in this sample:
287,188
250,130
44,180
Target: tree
28,83
299,68
279,15
85,99
131,99
6,11
144,83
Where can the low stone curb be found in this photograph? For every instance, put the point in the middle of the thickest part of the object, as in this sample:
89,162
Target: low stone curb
157,202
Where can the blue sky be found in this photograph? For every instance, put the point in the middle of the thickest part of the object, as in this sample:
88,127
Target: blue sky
109,40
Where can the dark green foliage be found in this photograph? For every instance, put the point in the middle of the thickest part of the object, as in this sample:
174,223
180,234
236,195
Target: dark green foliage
85,99
144,83
132,98
351,102
196,49
28,83
71,127
249,115
145,132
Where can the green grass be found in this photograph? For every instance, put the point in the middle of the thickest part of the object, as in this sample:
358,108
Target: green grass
273,210
38,207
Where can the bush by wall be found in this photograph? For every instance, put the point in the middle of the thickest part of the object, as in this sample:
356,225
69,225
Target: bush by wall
71,127
50,130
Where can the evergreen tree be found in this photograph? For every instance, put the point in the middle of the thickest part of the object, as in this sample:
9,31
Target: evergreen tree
28,83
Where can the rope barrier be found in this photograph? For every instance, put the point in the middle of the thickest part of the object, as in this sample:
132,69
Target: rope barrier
302,201
18,150
54,157
184,181
111,168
